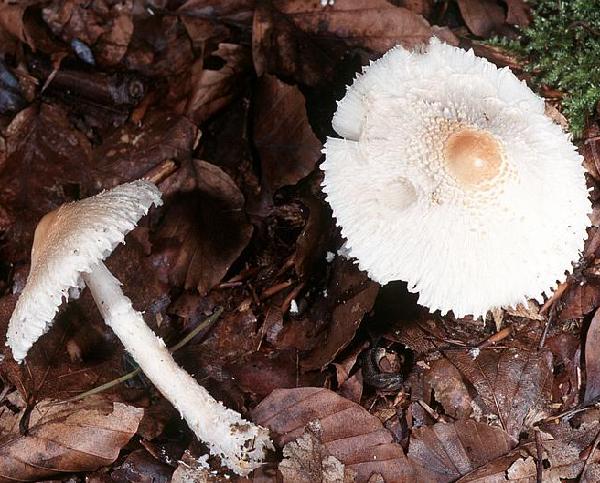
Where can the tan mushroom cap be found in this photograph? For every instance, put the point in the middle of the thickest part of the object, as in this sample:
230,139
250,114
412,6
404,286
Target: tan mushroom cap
68,242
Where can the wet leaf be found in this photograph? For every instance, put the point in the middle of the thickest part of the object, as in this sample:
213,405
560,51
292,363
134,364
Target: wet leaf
302,40
592,360
213,89
447,451
483,17
131,151
80,436
349,432
350,295
579,300
208,227
287,146
47,163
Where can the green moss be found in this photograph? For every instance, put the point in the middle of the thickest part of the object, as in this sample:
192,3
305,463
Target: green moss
562,50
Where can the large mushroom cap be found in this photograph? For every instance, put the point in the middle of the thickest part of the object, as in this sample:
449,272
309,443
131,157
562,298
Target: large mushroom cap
451,178
68,242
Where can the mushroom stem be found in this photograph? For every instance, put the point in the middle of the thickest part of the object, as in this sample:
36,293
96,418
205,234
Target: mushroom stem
238,442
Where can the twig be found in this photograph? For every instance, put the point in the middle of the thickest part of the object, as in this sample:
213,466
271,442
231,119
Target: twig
161,172
203,325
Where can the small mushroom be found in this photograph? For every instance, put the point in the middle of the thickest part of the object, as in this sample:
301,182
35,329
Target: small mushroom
69,247
450,177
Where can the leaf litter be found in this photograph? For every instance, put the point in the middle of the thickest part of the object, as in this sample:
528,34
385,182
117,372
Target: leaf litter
228,104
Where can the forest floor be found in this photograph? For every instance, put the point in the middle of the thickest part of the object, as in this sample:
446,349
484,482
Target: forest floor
227,105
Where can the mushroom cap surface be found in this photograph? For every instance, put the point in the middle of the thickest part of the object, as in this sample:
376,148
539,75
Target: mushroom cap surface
449,176
69,241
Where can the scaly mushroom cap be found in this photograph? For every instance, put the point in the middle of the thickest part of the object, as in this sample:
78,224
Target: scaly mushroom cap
68,242
451,178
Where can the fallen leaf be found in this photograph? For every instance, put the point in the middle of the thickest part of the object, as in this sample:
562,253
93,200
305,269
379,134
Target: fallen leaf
513,384
81,436
564,446
106,30
213,89
280,47
131,151
306,460
592,360
443,384
300,39
519,13
447,451
159,47
207,226
312,242
579,300
372,24
47,163
483,17
349,432
287,146
349,296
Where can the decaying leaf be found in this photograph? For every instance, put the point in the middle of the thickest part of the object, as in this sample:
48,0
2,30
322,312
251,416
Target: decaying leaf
302,40
349,433
131,151
80,436
209,228
47,163
306,460
212,89
483,17
445,452
592,360
287,146
513,383
349,296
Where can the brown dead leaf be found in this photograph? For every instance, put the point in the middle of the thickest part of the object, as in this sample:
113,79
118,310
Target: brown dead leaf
566,445
566,384
48,161
106,29
11,21
312,242
376,25
446,452
287,146
349,296
280,47
519,13
211,90
349,432
81,436
592,360
131,151
483,17
513,384
443,384
159,46
579,300
306,460
204,231
302,40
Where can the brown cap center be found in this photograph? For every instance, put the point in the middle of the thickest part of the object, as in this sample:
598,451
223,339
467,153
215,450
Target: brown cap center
473,157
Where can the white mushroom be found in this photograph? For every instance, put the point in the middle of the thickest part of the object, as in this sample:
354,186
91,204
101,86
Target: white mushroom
451,178
69,247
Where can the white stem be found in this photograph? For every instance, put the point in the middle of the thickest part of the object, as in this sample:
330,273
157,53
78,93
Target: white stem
240,443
